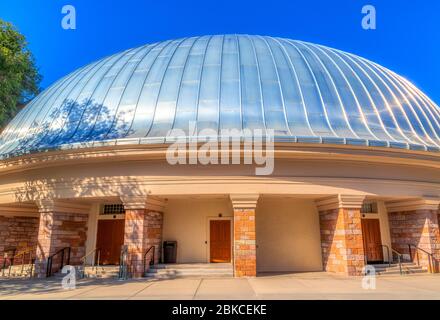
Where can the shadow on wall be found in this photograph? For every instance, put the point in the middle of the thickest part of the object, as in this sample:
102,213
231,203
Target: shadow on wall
41,189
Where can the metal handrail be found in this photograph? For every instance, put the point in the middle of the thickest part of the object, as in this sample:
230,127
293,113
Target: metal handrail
50,260
151,258
123,263
399,259
388,253
95,262
431,259
23,253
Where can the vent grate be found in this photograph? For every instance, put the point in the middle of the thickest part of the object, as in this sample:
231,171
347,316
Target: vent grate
113,209
369,207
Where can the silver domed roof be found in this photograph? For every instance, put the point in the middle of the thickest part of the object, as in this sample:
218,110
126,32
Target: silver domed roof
304,92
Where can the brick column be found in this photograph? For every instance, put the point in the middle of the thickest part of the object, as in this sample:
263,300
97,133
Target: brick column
61,225
143,229
415,221
341,234
245,253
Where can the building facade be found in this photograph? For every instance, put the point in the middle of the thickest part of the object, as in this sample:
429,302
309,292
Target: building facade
355,179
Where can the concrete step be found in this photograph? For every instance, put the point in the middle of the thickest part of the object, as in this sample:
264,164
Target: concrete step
92,272
18,271
394,269
215,266
173,275
160,271
190,271
171,271
100,272
404,272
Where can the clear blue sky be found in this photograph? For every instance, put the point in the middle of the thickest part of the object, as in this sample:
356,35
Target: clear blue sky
407,39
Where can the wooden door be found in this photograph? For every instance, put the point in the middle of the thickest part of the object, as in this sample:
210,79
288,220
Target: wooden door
220,240
372,240
110,238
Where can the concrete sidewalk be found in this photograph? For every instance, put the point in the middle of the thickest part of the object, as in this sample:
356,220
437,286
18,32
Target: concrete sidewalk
316,285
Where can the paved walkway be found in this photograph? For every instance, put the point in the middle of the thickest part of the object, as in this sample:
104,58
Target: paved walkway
317,285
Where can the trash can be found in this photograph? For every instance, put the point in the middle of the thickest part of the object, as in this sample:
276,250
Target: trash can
169,251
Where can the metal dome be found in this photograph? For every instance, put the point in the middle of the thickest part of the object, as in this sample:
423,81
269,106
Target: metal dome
304,92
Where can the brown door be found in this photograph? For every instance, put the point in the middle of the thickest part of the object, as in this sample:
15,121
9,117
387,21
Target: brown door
220,240
372,240
110,239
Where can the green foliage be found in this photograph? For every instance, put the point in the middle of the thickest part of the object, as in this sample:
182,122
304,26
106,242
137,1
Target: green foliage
19,77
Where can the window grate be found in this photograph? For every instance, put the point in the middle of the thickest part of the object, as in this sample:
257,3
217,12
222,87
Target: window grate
113,209
369,207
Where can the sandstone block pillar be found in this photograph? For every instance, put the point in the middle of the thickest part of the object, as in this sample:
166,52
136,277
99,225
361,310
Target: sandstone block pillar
61,225
143,229
341,234
415,222
245,251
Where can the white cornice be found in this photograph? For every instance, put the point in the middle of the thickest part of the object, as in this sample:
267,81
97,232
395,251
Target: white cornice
53,205
164,186
244,201
346,201
143,202
282,150
19,211
413,204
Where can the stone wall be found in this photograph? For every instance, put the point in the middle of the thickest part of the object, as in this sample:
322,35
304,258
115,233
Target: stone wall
17,232
417,227
341,241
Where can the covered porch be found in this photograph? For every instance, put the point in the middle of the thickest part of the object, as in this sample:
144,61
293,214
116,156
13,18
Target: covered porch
255,234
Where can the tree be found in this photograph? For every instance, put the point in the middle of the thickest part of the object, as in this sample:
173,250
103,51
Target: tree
19,76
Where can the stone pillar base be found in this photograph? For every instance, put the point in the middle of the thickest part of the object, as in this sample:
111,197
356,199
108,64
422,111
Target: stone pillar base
61,225
245,250
341,235
143,229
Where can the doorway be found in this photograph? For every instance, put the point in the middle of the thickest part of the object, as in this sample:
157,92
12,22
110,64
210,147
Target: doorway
110,238
220,241
372,240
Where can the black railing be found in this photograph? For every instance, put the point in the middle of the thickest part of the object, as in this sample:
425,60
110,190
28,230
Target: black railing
123,263
152,250
60,253
399,259
432,262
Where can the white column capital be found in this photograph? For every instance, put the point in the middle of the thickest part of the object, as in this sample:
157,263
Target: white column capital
345,201
425,203
244,201
55,205
21,210
143,202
